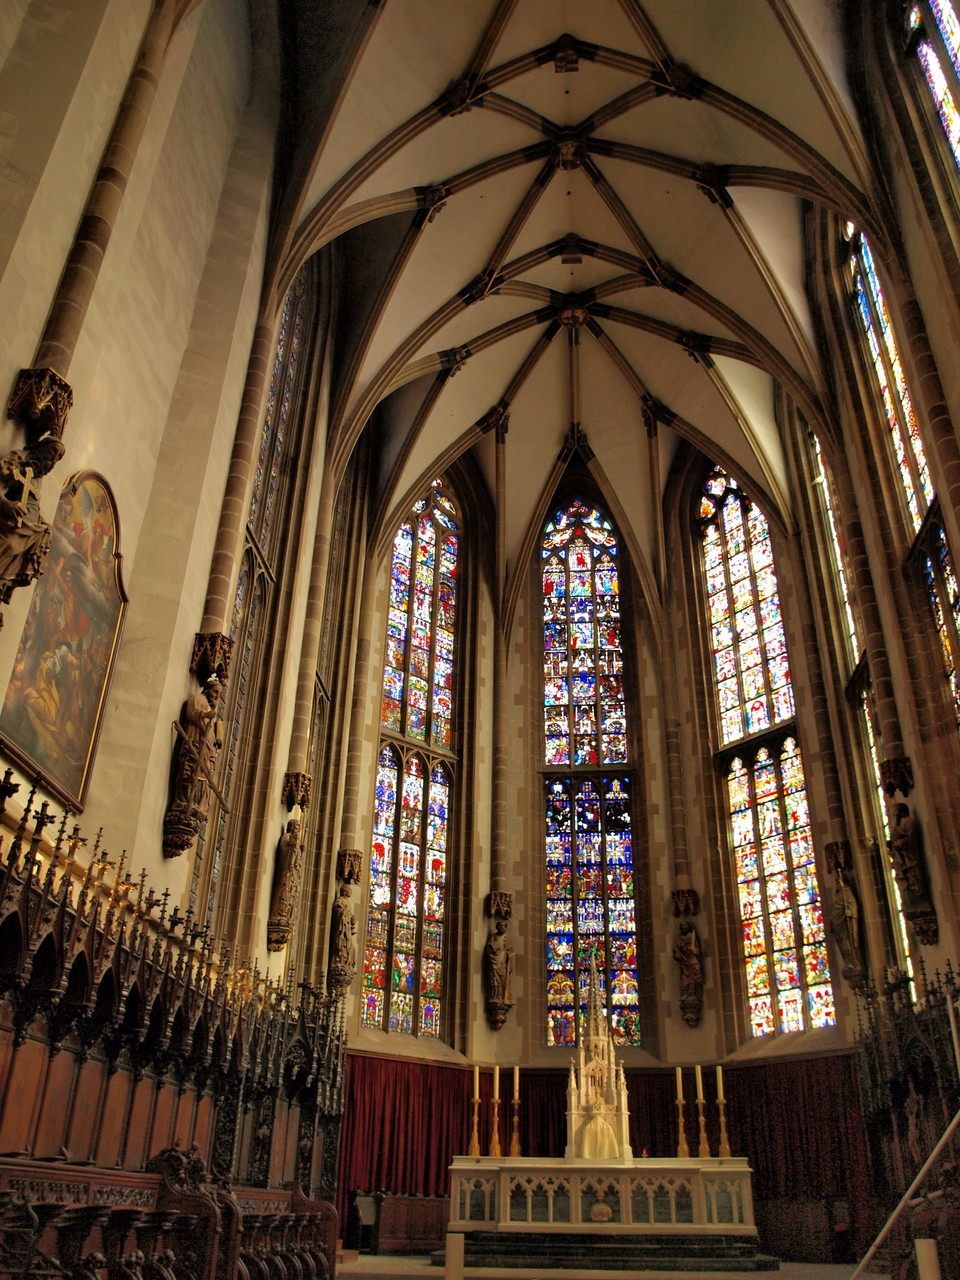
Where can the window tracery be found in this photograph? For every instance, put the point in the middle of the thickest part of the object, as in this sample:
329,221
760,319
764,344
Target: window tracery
783,936
936,45
403,955
591,892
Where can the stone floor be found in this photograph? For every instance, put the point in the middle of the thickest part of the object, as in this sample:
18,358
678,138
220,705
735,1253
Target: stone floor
388,1268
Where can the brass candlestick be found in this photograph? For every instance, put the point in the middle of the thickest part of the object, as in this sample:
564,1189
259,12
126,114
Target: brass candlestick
495,1134
724,1148
515,1135
474,1147
704,1148
683,1151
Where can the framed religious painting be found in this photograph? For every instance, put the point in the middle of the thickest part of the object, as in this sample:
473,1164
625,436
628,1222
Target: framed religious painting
54,705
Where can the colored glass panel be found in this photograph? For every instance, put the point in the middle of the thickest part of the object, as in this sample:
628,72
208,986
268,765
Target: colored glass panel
945,600
591,912
782,927
752,672
890,380
584,708
418,671
403,959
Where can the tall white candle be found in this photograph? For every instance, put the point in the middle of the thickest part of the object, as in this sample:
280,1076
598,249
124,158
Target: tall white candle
679,1085
719,1083
496,1084
476,1083
699,1083
516,1084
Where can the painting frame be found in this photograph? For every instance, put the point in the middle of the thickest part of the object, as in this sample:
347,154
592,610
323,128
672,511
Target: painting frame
52,713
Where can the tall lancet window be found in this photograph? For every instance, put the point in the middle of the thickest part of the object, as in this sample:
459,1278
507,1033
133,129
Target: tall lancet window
939,575
591,897
403,956
783,941
935,39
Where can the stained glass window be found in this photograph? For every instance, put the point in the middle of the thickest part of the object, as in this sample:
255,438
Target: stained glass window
822,481
418,668
890,379
937,46
591,895
749,647
782,928
784,943
945,600
403,953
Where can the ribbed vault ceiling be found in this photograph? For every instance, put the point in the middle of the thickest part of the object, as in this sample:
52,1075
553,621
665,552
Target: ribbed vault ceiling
600,210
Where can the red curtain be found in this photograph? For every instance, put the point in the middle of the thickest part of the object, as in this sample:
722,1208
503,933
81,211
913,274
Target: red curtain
797,1122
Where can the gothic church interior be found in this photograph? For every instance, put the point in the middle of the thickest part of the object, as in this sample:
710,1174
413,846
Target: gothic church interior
481,499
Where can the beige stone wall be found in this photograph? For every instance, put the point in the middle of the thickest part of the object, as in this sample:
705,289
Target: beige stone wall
159,367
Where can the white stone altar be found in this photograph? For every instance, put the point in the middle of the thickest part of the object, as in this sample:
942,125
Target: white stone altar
599,1189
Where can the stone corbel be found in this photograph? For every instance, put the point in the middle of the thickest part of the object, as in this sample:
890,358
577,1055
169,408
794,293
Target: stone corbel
297,788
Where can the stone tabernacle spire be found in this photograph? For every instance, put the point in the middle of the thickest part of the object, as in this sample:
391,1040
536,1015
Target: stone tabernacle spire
598,1122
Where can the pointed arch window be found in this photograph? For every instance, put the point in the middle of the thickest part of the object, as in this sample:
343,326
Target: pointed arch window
784,948
403,955
280,436
591,891
889,377
934,35
937,570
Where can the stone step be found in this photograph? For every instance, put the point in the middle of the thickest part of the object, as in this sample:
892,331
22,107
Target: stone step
651,1253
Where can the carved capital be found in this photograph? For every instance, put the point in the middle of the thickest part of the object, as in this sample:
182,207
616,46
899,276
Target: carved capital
297,788
838,855
896,774
40,402
211,655
499,904
349,865
685,902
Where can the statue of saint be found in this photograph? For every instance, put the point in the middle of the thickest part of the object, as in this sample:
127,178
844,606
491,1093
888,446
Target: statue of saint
498,966
343,942
286,886
907,853
194,760
689,954
24,536
845,926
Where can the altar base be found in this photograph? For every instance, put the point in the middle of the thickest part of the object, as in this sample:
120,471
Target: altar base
641,1214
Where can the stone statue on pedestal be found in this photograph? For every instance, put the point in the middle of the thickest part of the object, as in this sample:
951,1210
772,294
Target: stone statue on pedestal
497,974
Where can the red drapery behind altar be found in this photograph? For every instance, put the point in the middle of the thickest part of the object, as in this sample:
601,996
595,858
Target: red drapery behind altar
798,1123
